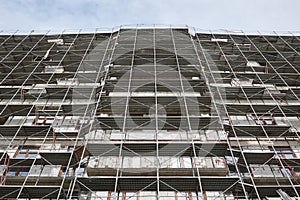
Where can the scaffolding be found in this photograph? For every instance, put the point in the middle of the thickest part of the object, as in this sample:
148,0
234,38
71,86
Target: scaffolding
149,112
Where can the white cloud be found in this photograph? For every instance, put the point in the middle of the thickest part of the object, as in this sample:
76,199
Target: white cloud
205,14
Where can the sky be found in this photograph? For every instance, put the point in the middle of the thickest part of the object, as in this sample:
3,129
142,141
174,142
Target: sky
247,15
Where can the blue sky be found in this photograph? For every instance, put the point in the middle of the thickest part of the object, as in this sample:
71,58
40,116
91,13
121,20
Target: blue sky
265,15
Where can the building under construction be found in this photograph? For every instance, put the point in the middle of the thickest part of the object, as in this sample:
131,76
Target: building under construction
148,113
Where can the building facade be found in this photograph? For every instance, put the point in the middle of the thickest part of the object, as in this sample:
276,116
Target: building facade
147,113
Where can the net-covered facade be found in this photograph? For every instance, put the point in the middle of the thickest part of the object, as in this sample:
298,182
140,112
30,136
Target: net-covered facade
172,113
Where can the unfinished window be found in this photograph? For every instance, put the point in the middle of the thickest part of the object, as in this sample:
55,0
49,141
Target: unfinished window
241,81
53,69
284,152
209,162
79,171
67,172
51,170
27,152
261,170
67,81
113,78
265,120
83,122
296,171
272,90
218,40
253,64
209,195
257,66
42,57
56,41
226,121
35,170
229,57
23,171
37,89
43,121
18,171
246,46
51,108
